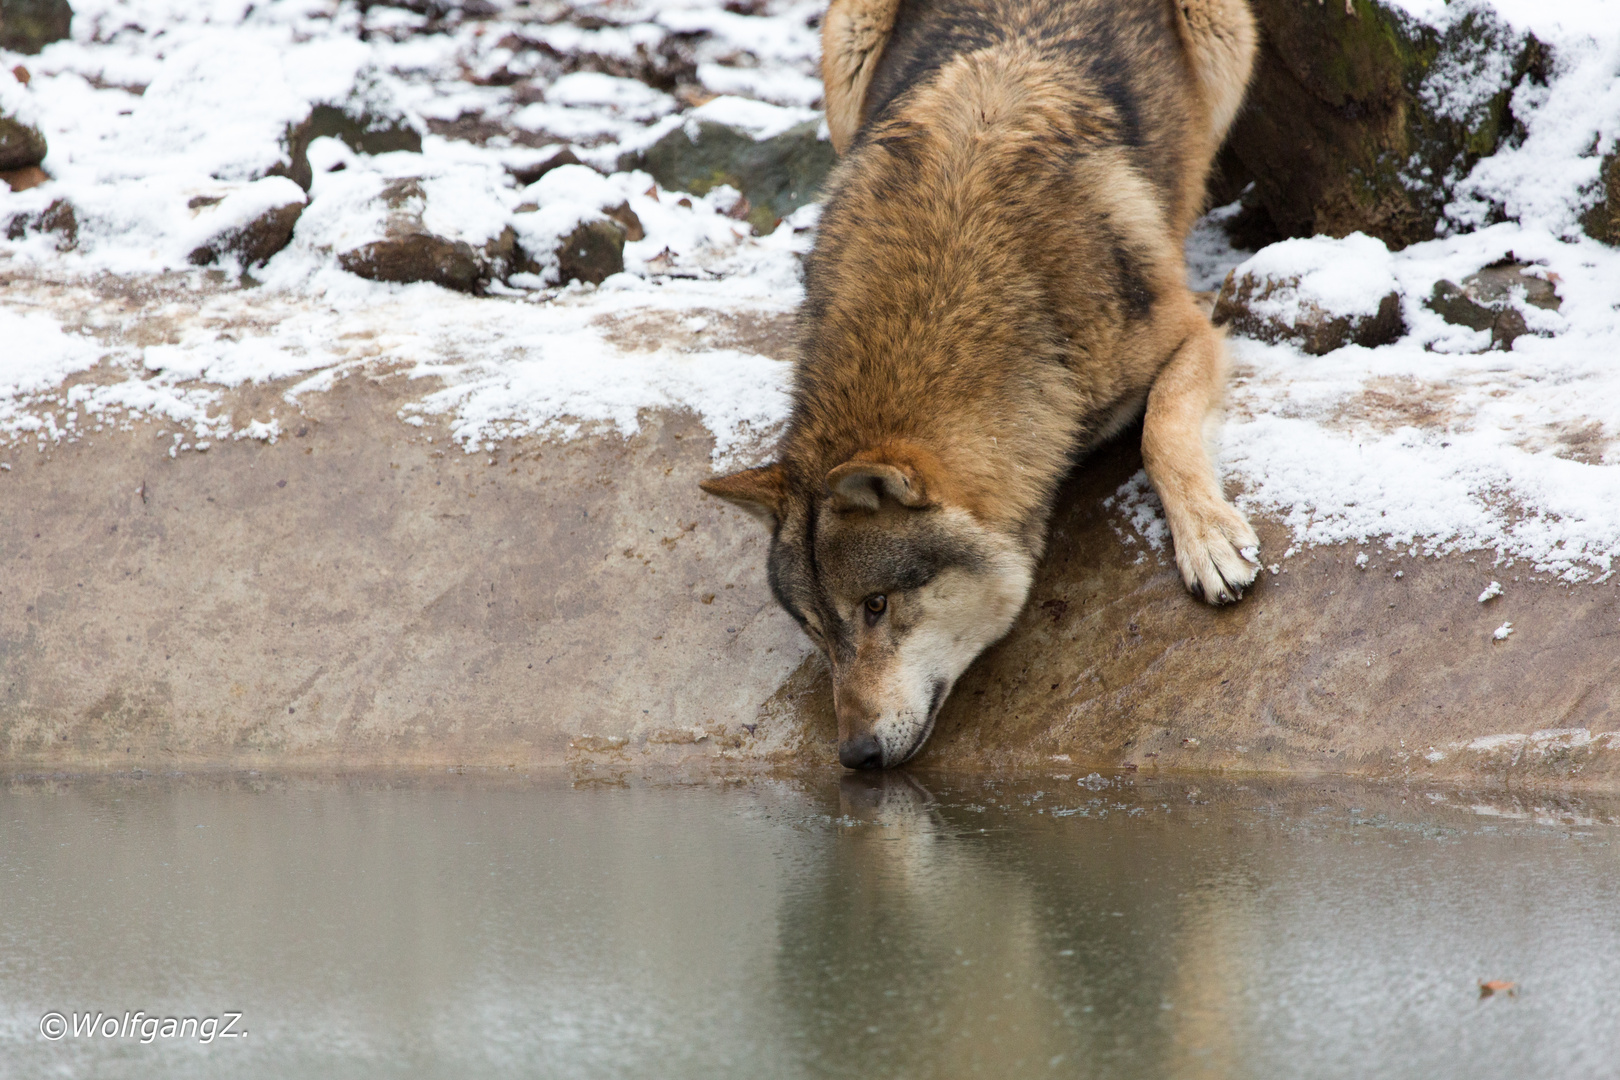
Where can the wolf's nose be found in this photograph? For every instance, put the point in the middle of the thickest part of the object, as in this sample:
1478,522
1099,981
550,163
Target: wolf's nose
861,753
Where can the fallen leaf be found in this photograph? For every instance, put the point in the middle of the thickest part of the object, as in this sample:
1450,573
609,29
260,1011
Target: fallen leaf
1497,986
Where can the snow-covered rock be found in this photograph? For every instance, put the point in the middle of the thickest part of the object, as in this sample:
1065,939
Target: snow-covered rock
56,220
1318,294
250,224
1494,299
404,247
360,125
22,144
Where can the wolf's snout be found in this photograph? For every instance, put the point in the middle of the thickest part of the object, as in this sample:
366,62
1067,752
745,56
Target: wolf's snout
861,752
858,744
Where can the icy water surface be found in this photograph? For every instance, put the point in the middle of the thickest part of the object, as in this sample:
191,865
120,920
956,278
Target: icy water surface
1064,926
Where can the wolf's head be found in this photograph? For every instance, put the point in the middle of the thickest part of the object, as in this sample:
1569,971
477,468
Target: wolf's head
898,586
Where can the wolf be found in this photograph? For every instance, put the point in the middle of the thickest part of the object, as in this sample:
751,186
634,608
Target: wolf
997,286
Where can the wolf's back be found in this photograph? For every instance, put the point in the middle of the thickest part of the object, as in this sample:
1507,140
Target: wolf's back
1126,52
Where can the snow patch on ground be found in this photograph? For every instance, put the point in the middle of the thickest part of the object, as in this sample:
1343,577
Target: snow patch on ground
1434,446
1138,504
1426,446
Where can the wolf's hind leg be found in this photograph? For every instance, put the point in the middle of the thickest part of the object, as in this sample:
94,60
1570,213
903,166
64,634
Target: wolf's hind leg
853,36
1216,549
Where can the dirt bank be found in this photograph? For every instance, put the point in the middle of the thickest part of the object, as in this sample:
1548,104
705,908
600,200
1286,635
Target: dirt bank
361,593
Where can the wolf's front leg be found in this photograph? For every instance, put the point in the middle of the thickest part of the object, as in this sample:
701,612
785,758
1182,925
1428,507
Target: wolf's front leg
1216,550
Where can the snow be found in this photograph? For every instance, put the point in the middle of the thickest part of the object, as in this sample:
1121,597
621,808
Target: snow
1550,22
1143,514
620,96
1351,276
777,86
1491,743
39,353
1501,633
758,118
1493,590
1547,180
1429,445
239,207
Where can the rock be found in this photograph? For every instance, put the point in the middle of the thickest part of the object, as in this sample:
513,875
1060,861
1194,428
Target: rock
1243,304
1602,221
625,216
410,251
364,129
1489,300
1364,120
776,175
23,179
250,224
528,174
57,218
1319,295
663,60
574,224
27,26
21,144
592,252
1251,227
417,256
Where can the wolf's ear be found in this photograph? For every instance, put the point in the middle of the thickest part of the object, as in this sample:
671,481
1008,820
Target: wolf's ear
863,485
762,492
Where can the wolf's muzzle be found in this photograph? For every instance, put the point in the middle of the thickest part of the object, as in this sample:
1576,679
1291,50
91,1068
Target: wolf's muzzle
935,700
866,751
863,752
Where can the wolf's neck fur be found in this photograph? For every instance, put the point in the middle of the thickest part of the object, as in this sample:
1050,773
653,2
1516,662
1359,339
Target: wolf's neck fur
987,263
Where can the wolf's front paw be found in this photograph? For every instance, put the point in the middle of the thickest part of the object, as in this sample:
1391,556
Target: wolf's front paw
1217,553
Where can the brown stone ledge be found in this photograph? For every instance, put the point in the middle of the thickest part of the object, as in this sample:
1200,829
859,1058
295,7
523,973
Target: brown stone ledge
363,594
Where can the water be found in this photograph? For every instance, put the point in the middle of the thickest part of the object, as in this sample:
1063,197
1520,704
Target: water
807,927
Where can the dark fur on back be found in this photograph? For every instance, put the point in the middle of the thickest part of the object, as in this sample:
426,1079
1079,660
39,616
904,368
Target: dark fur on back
1125,52
971,286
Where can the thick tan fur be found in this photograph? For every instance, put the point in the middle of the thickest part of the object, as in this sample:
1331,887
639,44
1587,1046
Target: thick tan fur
853,34
1219,36
998,285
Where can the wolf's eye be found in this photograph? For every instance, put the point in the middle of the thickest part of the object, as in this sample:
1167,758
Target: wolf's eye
876,605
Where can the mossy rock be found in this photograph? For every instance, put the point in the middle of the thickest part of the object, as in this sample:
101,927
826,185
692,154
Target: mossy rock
27,26
1364,120
776,175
